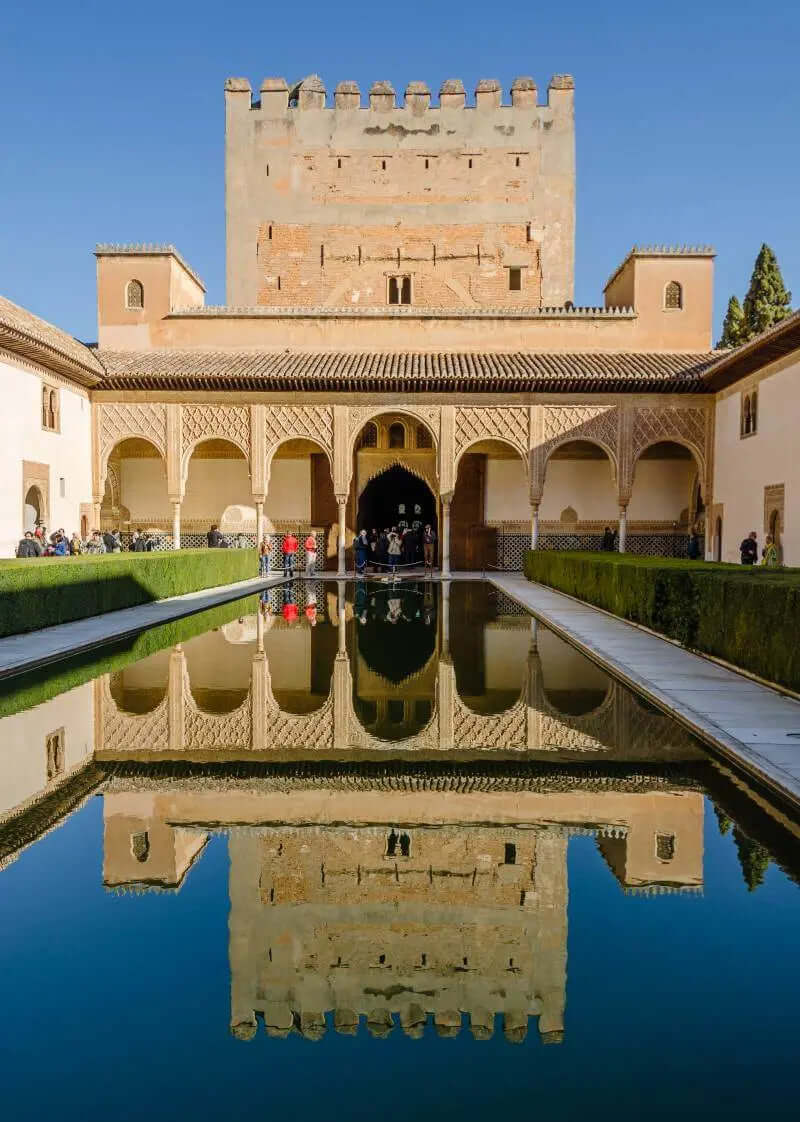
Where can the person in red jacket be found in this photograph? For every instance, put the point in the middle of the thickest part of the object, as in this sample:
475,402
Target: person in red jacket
290,547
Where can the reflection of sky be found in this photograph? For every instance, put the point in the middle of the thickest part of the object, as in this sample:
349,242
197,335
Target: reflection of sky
143,990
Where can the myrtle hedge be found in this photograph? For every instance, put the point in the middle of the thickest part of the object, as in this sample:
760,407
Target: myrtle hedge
41,591
748,616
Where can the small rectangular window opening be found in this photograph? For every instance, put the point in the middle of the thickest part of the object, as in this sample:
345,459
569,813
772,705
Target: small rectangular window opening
510,855
279,284
267,171
339,163
62,487
269,233
427,163
515,280
322,256
516,161
528,232
469,162
383,165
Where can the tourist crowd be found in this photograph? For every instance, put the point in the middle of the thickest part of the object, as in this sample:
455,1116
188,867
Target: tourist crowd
37,543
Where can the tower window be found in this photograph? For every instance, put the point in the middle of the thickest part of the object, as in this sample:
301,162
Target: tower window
469,163
339,163
515,280
267,171
134,295
269,233
516,161
528,232
665,847
383,165
50,409
673,295
399,290
510,854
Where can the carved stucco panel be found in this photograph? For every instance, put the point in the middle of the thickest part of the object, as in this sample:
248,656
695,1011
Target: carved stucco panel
119,420
508,423
216,422
290,422
360,414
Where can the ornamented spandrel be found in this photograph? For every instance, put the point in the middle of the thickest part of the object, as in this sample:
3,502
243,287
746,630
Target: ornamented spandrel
651,425
217,422
508,730
508,423
597,423
290,422
120,420
360,414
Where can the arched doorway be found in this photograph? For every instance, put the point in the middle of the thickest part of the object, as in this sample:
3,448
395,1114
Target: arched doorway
395,495
33,508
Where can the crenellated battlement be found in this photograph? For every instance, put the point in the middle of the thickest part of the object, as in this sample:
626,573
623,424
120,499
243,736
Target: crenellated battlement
275,96
380,195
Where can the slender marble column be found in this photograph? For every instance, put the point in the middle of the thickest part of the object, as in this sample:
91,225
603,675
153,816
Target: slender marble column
446,537
341,605
534,525
176,525
342,501
259,523
623,527
445,618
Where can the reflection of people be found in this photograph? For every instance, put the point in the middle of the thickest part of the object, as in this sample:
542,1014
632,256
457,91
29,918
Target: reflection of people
405,844
290,613
391,844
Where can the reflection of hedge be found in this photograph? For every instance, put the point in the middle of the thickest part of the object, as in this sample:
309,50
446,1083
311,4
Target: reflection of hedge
39,592
749,617
26,690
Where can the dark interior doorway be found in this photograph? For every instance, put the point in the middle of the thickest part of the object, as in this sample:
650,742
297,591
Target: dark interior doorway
393,497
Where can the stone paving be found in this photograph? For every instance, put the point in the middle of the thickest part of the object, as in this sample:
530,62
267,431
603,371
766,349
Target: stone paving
752,725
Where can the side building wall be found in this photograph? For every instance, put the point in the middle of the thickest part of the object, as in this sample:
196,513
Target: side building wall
757,474
55,462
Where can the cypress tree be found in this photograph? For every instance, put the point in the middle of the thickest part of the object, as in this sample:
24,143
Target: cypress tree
723,821
734,331
753,858
767,301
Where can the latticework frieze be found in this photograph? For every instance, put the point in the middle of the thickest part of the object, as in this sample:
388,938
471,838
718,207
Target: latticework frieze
306,731
120,420
508,423
597,423
497,730
216,422
426,739
555,734
289,422
683,425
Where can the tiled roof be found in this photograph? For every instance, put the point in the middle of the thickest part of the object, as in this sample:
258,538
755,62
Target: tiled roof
404,372
146,249
776,342
26,334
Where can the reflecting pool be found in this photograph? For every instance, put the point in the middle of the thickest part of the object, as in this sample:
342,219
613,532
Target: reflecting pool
382,850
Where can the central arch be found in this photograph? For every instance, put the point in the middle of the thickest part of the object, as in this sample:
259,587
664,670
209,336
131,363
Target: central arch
395,495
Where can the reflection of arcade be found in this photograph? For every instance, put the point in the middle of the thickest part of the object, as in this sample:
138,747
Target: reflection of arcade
324,920
269,686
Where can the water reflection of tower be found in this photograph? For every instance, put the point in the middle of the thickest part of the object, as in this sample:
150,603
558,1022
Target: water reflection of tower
469,922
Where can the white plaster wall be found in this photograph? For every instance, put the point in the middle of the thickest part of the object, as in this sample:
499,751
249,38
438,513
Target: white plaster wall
661,490
585,485
214,663
507,493
22,437
288,651
143,490
743,468
565,668
214,485
289,495
506,657
23,751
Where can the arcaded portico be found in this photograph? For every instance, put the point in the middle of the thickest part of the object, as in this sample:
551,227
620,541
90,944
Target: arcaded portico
545,473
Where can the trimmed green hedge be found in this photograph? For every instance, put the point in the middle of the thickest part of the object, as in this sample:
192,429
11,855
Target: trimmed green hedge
748,616
41,591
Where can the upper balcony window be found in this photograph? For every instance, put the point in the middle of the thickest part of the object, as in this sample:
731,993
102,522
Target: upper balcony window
51,409
515,280
748,417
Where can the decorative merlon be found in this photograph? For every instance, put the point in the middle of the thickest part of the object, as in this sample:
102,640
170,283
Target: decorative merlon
399,311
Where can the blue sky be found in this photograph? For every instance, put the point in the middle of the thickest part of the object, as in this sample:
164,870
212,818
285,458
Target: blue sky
112,121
